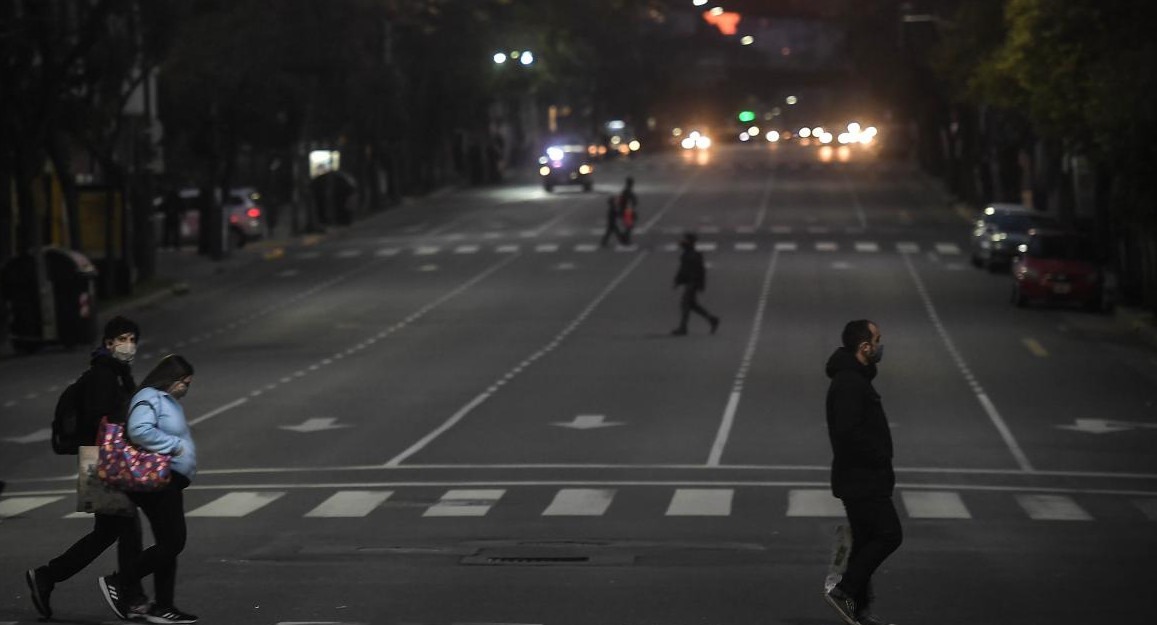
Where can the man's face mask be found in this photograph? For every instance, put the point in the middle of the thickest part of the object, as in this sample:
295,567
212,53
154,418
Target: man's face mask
124,351
877,353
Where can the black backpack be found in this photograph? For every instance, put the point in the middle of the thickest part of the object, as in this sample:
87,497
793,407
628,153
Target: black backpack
66,420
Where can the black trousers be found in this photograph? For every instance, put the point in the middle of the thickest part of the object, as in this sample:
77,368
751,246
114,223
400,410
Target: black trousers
876,533
106,529
165,510
612,230
690,303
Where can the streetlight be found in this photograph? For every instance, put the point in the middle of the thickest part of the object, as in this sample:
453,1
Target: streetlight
747,40
698,3
791,99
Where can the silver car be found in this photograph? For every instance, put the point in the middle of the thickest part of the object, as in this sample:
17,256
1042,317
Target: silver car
244,215
999,230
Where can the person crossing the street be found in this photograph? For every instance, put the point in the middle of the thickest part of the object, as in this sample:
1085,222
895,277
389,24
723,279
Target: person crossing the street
692,276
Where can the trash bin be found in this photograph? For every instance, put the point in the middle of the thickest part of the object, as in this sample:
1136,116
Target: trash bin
72,278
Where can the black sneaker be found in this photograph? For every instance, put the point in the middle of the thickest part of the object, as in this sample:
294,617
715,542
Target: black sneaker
158,614
867,618
138,611
679,332
113,596
41,588
843,604
714,324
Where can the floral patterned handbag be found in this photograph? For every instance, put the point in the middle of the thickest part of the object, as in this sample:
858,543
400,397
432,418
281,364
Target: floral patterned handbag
127,467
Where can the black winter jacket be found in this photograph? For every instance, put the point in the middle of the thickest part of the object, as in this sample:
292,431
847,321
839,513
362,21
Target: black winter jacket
858,429
692,272
107,390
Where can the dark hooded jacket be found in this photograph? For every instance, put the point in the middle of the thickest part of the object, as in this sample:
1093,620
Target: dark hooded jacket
108,387
692,272
858,430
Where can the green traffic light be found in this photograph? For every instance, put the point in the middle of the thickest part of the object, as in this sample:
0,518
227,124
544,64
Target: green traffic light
747,116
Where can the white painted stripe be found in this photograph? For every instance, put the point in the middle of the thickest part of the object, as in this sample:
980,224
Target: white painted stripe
427,250
596,231
546,247
350,503
745,246
465,502
586,247
1148,507
78,515
947,249
813,503
388,251
349,253
786,246
709,229
580,502
827,246
701,502
1052,508
237,504
867,246
507,249
935,505
466,249
13,506
708,246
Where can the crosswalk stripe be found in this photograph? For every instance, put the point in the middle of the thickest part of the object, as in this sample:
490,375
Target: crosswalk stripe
350,503
586,247
906,247
349,253
786,246
1052,508
827,246
237,504
466,249
1147,506
701,502
594,232
13,506
867,246
813,503
427,250
745,246
947,249
546,247
580,502
935,505
708,246
465,502
78,515
388,251
507,249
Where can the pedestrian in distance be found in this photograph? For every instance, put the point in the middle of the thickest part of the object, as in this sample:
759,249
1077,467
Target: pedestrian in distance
628,210
104,391
862,476
612,222
692,276
156,422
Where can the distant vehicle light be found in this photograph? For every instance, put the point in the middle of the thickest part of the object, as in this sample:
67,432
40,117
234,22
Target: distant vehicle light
254,212
584,169
791,99
853,128
818,131
772,136
676,131
615,140
990,211
694,134
870,131
844,153
542,160
527,58
499,58
544,170
865,139
805,132
717,11
703,142
698,3
634,145
743,136
602,150
234,219
688,143
624,150
747,40
753,131
554,153
616,124
1022,248
826,137
844,137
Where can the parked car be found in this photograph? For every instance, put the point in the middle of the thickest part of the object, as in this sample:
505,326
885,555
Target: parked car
1000,230
1061,267
244,215
566,164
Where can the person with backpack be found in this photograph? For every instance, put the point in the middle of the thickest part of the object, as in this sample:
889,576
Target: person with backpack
156,423
101,391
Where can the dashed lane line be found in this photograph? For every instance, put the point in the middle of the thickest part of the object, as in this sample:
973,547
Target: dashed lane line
1035,347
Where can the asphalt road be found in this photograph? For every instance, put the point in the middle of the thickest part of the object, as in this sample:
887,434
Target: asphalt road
463,411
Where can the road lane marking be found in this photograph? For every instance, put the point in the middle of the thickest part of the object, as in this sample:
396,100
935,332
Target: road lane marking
580,502
350,503
867,246
827,246
934,505
349,253
465,502
386,252
813,503
856,202
216,411
546,247
646,227
507,249
236,504
586,247
745,246
483,396
947,249
701,502
426,250
1052,508
13,506
764,202
981,396
706,246
907,247
786,246
715,456
1148,507
466,249
1035,347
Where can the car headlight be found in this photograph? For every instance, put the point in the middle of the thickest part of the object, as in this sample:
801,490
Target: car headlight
544,170
554,153
584,169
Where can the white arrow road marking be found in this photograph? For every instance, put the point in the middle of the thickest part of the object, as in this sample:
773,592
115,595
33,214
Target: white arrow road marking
314,425
35,437
1102,426
587,422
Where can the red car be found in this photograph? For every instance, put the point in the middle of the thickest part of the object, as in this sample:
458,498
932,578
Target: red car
1060,267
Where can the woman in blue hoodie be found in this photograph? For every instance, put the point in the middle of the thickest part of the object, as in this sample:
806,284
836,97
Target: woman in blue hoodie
157,423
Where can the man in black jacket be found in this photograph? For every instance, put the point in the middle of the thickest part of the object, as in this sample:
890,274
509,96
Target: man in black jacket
862,475
107,388
692,276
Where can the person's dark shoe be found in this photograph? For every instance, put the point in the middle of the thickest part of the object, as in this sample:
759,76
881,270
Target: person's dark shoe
714,324
679,332
844,604
138,611
867,618
41,588
162,615
114,596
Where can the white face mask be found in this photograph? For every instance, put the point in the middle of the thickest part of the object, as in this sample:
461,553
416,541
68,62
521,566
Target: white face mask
124,352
